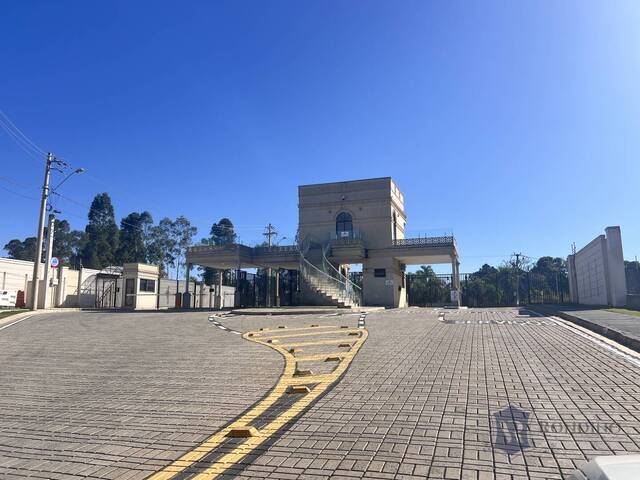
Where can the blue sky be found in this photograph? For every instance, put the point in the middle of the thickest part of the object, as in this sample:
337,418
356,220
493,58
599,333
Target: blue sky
515,125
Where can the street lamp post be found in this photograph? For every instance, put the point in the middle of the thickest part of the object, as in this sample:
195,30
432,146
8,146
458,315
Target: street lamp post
46,191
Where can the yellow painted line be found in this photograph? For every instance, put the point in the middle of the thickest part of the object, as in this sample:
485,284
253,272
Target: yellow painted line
323,342
320,356
287,330
311,334
245,448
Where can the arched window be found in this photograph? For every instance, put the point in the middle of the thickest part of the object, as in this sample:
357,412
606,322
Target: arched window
344,225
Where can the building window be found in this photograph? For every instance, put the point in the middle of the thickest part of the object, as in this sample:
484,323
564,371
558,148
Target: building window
344,225
147,285
395,227
380,272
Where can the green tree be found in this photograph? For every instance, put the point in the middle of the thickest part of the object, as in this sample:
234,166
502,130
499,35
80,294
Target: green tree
134,237
221,233
632,274
22,249
67,243
182,233
161,246
101,246
427,288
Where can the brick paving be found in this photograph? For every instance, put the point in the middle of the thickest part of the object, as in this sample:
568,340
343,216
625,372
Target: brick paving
487,394
114,395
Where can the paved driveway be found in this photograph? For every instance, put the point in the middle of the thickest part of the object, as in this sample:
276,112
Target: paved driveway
484,394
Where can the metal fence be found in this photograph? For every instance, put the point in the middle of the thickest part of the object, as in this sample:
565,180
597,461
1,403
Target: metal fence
494,289
259,289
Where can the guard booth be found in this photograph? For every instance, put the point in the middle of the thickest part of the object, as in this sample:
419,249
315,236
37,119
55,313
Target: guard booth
140,286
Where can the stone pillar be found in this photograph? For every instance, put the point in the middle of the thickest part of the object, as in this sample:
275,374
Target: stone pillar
219,304
278,287
186,296
268,289
455,281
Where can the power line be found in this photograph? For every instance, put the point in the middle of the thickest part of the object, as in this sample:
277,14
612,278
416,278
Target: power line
20,139
17,184
26,139
17,193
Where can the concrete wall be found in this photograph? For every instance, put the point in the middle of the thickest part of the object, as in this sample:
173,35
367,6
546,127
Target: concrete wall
388,291
596,272
14,274
78,288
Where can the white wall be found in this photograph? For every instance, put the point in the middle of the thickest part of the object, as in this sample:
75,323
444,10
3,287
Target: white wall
15,273
596,272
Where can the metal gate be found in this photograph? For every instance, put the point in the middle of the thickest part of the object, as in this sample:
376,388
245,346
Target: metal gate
488,289
108,285
259,289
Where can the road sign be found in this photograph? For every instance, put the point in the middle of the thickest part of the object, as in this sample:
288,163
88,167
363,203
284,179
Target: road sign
54,262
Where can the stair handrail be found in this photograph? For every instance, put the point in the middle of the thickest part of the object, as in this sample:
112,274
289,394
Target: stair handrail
322,278
353,291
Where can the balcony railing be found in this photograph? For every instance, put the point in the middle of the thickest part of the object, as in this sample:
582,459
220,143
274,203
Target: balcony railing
354,237
445,241
213,248
276,249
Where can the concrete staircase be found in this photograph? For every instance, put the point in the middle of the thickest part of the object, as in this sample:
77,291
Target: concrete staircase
330,294
329,286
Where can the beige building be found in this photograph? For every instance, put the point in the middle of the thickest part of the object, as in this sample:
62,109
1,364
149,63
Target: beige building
342,224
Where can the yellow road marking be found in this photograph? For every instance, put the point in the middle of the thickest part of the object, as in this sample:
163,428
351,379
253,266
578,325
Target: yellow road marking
320,342
287,379
262,332
320,356
309,334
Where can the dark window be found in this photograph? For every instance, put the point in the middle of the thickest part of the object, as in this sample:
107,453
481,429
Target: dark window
395,227
147,285
344,225
380,272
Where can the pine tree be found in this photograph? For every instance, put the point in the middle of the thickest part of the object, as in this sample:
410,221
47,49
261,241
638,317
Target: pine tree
101,234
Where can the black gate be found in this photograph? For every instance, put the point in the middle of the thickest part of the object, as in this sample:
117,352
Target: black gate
425,290
259,289
488,289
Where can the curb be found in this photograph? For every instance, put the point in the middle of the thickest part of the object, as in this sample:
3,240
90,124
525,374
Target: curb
611,333
29,313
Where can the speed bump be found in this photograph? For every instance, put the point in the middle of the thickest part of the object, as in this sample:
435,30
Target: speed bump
243,432
333,359
303,373
298,389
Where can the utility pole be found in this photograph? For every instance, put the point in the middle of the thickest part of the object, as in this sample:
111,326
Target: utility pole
47,262
269,231
43,207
